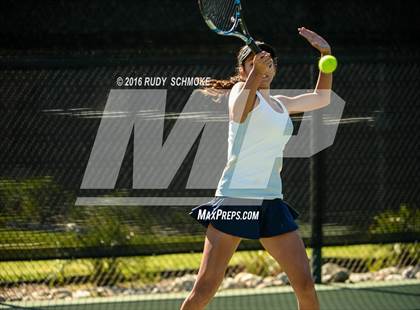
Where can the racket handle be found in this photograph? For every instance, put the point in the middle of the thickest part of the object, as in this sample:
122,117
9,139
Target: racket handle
254,47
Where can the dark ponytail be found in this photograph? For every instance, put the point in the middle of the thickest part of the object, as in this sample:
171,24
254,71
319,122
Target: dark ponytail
224,84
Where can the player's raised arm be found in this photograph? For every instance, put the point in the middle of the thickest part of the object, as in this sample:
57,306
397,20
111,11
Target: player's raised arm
321,96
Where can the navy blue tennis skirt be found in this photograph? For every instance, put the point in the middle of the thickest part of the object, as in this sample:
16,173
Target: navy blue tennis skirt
247,218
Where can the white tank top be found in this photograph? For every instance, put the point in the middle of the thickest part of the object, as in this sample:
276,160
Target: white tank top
255,153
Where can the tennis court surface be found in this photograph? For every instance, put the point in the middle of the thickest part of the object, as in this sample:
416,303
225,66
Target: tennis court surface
401,295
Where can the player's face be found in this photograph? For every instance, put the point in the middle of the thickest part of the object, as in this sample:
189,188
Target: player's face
268,76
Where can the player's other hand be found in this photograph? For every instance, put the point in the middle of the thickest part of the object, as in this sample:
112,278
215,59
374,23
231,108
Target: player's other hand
262,62
315,40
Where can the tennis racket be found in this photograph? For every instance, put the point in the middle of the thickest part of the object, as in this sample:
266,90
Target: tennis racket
224,17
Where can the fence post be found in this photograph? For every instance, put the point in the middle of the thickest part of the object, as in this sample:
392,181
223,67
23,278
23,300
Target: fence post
380,123
317,192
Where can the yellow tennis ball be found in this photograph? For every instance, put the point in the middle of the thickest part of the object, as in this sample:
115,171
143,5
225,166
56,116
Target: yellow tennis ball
327,64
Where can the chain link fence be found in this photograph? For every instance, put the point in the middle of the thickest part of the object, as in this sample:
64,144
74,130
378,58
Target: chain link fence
58,63
49,120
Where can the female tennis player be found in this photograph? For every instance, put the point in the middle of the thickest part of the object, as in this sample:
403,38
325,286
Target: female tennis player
230,216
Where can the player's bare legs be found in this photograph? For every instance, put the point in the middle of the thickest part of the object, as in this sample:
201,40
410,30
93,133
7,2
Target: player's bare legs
289,251
218,250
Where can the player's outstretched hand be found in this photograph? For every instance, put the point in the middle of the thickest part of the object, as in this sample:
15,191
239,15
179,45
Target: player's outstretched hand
315,40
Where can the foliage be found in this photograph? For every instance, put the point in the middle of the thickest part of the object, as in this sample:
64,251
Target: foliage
404,220
33,202
262,264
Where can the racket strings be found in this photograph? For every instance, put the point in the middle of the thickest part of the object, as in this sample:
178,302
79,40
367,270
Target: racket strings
222,13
